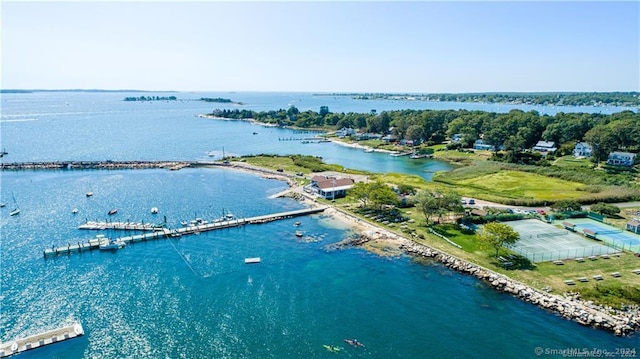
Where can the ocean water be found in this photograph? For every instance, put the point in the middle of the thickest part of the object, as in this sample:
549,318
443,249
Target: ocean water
193,297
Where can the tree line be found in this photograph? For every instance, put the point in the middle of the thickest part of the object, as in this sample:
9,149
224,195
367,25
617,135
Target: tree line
151,98
527,98
514,131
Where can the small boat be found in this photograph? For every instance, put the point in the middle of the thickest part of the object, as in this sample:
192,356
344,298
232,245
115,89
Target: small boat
2,204
74,211
112,244
184,223
299,233
154,210
113,211
297,224
368,150
89,194
354,342
332,348
255,133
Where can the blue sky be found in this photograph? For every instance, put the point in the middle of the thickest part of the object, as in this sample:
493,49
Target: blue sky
322,46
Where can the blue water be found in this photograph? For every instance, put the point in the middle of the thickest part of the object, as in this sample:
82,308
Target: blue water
194,297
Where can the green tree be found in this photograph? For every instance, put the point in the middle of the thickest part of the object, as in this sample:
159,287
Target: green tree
605,209
566,205
496,235
360,191
433,203
380,194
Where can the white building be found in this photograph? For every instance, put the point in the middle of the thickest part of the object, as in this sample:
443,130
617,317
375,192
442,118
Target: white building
621,159
545,146
331,187
582,149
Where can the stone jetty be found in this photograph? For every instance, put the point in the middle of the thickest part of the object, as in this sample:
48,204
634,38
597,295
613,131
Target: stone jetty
569,306
92,165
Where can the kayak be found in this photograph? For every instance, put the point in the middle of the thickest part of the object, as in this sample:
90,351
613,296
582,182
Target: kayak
331,348
354,342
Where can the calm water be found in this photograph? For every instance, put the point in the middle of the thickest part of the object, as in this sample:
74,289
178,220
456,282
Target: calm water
194,297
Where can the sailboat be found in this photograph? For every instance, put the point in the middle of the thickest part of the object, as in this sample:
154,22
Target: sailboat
17,209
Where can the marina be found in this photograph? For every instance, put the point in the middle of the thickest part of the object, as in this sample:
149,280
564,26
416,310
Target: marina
102,243
40,340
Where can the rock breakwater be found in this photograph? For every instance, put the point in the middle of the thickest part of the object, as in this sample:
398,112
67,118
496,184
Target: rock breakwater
569,306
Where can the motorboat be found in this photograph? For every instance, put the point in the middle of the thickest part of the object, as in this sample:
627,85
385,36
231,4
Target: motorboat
113,211
89,194
154,210
112,244
74,211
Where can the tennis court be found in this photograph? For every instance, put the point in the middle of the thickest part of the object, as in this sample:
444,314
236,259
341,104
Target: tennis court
613,236
542,242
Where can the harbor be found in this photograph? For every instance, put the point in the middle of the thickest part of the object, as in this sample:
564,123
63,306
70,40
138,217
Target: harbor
40,340
196,227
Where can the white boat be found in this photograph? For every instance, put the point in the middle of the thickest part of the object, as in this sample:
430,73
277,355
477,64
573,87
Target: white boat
299,233
2,204
89,194
368,150
154,210
74,211
112,244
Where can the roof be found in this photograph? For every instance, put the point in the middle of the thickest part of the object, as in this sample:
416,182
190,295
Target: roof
547,144
478,212
622,154
568,224
335,184
634,223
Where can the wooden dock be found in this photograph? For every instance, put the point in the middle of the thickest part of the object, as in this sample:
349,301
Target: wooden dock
94,243
39,340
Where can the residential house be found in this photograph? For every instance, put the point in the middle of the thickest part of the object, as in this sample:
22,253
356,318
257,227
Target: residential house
390,138
330,187
456,138
345,132
368,136
582,149
621,159
480,145
545,146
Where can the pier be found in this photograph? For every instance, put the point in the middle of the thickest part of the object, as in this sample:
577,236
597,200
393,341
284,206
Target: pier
40,340
159,233
125,226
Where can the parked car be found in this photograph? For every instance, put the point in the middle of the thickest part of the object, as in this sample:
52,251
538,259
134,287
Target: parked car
472,201
541,212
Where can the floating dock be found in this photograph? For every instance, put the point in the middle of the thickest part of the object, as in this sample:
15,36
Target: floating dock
252,260
40,340
94,243
125,226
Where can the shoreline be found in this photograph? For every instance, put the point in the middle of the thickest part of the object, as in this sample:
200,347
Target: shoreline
382,241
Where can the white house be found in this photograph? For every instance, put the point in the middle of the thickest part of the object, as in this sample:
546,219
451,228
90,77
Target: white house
545,146
345,132
582,149
331,187
480,145
621,159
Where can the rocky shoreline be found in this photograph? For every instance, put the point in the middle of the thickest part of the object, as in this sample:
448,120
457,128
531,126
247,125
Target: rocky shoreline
621,323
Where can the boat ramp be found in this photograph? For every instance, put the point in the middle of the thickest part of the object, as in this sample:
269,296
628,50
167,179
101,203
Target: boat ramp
42,339
159,233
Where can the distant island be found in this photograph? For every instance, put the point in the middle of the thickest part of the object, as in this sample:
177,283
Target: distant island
69,90
219,100
151,98
517,98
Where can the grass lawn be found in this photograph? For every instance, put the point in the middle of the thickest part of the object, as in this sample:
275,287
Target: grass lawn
572,162
523,185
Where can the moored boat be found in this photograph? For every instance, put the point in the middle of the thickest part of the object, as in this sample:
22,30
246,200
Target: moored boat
154,210
112,244
113,211
89,194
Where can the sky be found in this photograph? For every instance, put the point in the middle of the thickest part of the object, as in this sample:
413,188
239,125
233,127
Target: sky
326,46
